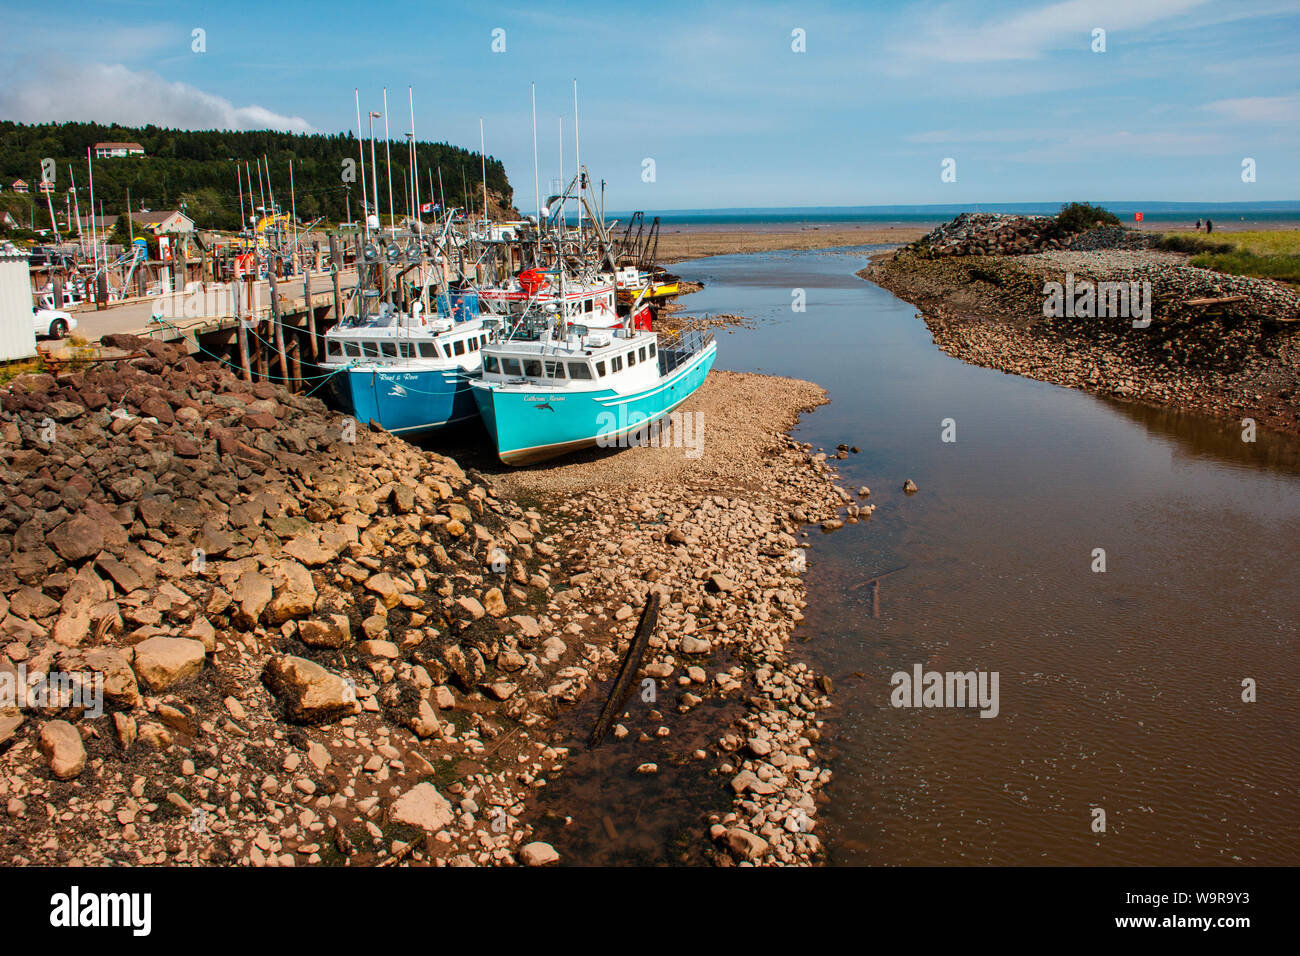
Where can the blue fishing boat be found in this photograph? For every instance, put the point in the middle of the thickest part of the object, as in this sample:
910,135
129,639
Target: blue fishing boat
543,395
408,372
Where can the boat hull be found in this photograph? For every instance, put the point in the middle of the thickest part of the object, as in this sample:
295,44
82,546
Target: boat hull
529,426
407,401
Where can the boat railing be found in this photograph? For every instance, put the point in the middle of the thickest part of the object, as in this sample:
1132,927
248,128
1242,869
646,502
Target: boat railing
680,346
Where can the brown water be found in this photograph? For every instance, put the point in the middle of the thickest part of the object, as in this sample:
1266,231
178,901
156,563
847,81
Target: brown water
1118,690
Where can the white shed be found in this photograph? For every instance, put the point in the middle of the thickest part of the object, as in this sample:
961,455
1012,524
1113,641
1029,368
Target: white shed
17,332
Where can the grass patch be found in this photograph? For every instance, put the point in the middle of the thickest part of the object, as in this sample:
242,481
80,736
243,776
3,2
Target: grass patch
11,370
1260,253
1283,268
1191,244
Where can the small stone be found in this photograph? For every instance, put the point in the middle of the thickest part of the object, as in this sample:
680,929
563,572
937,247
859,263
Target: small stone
538,854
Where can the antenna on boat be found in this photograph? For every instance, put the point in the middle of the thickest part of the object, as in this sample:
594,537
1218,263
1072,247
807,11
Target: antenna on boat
415,165
261,190
388,161
266,164
482,155
248,181
293,208
374,171
361,150
239,185
561,219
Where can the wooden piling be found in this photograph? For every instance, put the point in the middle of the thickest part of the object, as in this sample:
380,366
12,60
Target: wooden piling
311,314
295,363
277,327
241,330
334,274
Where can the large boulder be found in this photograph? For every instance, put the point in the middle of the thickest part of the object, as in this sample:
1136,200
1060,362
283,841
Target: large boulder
120,686
61,743
161,662
76,539
310,694
295,594
251,593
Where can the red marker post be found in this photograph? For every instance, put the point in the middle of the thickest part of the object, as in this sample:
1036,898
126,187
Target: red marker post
1137,217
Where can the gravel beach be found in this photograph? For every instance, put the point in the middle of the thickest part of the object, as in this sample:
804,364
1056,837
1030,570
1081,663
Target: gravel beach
1223,345
320,645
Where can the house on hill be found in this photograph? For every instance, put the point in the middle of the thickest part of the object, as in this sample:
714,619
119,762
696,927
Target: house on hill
19,186
117,150
163,222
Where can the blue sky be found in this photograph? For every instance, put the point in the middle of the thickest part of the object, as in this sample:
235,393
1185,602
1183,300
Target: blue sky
715,94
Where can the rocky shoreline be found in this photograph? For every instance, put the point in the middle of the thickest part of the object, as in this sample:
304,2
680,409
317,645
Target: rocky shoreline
319,644
1219,345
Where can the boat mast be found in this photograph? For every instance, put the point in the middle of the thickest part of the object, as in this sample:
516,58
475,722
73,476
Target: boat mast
361,150
94,242
537,186
577,158
388,160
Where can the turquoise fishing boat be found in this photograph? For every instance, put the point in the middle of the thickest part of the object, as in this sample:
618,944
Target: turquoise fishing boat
408,372
542,396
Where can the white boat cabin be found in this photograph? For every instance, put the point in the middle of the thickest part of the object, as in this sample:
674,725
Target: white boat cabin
389,337
623,360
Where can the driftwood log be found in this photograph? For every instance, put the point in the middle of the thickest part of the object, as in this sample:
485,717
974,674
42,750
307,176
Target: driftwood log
631,662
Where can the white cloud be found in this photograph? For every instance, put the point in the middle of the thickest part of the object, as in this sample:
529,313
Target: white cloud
113,93
1259,109
1028,35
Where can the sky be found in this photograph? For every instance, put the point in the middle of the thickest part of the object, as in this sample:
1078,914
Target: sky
699,105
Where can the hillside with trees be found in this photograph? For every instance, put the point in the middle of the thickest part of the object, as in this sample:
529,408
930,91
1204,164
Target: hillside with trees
197,169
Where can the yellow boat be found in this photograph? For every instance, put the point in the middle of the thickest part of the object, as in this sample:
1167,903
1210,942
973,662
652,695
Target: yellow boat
658,290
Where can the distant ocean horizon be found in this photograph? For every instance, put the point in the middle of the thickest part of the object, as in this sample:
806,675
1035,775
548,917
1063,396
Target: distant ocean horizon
1262,212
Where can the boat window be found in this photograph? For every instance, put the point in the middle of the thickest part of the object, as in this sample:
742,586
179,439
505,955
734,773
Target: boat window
631,358
533,368
335,350
579,370
642,353
616,363
371,349
510,367
407,349
352,349
600,368
473,344
428,350
590,305
652,350
460,346
555,369
489,363
389,349
446,349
